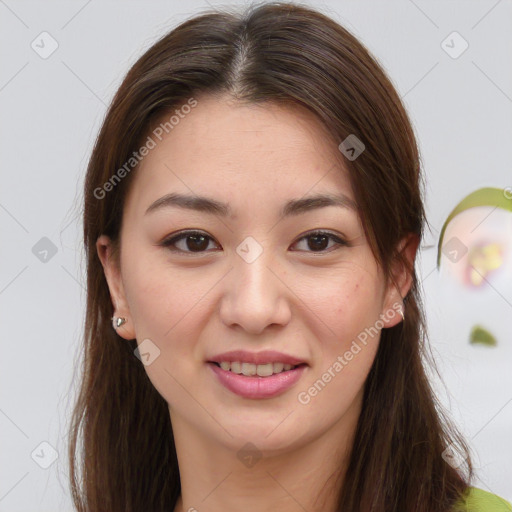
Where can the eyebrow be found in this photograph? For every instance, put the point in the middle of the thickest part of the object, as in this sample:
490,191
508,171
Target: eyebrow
214,207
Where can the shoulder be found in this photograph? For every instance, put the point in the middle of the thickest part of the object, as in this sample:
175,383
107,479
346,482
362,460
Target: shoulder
478,500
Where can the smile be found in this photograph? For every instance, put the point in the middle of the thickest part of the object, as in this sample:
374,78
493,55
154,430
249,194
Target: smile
250,369
245,379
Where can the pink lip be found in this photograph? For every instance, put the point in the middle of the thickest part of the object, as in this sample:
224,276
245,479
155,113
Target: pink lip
257,387
267,356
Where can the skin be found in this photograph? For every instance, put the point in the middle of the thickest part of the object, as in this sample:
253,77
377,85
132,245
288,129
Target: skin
293,298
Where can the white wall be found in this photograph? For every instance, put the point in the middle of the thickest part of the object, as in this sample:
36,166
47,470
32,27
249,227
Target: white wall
51,110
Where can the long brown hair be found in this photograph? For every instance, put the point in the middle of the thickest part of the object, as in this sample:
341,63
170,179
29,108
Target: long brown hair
286,54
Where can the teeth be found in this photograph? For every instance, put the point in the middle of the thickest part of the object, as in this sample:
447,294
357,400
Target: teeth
250,369
265,370
278,367
235,367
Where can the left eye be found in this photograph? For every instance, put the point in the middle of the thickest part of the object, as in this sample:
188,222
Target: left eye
197,242
318,241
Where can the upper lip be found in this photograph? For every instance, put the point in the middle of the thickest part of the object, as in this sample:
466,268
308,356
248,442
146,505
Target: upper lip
267,356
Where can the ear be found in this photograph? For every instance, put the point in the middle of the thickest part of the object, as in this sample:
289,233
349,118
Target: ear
401,283
112,272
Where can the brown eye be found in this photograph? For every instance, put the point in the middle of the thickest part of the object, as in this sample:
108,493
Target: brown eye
318,241
198,242
192,241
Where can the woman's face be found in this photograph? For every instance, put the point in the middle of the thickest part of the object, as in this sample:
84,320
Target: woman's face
256,278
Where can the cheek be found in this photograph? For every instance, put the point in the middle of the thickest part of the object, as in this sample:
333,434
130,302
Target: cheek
349,304
162,300
341,304
168,307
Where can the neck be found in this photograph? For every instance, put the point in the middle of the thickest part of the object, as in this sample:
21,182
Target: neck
235,475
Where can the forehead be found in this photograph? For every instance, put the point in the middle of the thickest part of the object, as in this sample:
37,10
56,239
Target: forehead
234,150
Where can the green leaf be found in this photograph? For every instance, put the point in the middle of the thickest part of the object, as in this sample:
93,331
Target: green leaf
482,336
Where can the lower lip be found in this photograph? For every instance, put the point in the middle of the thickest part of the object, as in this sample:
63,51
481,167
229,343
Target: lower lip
258,387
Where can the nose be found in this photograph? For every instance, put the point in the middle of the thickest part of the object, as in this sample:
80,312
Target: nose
256,295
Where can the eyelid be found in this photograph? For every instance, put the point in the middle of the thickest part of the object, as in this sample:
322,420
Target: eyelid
169,241
339,239
319,231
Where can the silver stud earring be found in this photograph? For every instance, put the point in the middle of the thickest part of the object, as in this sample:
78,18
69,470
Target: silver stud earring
118,321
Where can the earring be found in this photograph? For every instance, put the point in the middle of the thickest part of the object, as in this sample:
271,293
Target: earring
118,321
402,313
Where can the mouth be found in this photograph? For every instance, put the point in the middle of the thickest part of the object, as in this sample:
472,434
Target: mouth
256,370
257,381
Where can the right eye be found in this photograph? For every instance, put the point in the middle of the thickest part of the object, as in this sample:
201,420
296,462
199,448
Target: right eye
192,242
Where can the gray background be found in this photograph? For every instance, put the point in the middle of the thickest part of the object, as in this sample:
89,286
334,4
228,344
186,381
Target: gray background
51,112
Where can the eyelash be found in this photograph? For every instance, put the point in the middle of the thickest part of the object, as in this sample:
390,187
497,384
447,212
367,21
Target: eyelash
168,243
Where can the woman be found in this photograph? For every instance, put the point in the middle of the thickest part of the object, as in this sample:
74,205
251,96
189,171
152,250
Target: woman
254,332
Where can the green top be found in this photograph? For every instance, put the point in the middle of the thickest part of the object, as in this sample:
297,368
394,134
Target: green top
478,500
